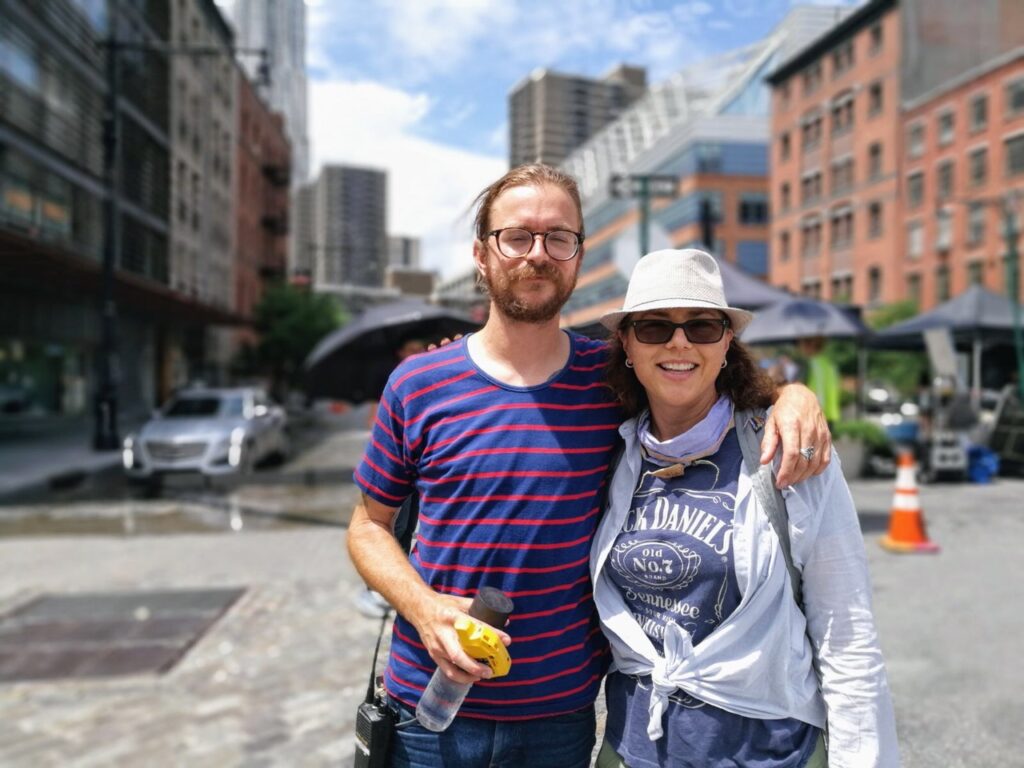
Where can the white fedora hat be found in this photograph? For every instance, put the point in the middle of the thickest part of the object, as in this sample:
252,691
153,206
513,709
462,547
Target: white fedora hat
669,279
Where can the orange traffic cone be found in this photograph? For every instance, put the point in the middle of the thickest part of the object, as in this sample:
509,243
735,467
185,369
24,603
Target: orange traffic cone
906,523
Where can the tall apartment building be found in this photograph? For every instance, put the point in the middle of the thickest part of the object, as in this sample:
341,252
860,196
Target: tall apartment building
896,137
706,127
835,159
52,193
261,200
203,94
550,113
203,139
342,220
403,252
279,26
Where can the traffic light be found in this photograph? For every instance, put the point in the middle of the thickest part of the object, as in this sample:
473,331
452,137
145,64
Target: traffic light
707,224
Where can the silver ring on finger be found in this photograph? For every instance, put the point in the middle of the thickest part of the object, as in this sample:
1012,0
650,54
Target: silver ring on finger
808,452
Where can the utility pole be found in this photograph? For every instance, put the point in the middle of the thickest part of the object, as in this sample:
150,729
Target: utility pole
644,187
105,401
105,436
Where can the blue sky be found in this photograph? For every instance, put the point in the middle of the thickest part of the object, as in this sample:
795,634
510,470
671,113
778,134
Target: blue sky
420,87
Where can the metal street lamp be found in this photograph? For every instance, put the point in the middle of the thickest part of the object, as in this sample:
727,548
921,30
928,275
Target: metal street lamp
644,187
105,405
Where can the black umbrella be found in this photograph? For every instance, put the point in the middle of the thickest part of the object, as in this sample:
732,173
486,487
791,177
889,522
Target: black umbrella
745,291
353,363
801,318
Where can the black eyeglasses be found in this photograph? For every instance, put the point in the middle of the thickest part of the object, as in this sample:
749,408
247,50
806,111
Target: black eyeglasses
701,330
515,243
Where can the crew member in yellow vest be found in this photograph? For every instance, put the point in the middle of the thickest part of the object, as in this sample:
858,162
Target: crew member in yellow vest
822,376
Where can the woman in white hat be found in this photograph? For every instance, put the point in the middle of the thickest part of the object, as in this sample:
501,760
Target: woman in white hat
714,651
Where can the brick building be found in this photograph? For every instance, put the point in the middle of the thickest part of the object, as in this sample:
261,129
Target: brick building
964,159
262,175
897,139
835,155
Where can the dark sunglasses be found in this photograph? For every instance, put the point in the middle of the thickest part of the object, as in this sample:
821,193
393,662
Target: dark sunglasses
701,330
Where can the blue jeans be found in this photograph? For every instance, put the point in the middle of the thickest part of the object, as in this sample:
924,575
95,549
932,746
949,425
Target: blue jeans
560,741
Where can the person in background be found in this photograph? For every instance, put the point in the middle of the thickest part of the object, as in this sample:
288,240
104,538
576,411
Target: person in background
369,602
713,661
505,436
822,376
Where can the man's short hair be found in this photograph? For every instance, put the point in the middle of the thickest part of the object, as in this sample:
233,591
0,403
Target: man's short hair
532,175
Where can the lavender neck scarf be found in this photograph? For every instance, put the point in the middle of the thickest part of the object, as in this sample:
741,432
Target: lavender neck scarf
702,439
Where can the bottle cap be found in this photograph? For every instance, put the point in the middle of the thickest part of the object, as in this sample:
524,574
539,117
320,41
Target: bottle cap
491,606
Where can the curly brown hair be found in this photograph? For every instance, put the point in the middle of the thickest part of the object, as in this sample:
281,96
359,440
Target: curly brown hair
742,379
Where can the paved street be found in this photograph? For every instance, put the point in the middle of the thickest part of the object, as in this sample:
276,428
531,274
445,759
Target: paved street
276,681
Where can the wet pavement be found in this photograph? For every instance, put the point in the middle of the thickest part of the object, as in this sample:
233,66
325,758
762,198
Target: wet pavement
277,678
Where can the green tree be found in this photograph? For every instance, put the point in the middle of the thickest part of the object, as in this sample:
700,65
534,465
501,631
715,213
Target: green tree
900,369
290,321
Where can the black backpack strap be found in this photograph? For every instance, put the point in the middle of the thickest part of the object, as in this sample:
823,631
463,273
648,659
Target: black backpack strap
750,430
406,520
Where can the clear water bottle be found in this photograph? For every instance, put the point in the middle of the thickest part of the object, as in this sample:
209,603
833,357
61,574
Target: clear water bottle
442,697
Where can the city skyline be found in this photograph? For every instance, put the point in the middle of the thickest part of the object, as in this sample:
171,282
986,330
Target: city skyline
389,86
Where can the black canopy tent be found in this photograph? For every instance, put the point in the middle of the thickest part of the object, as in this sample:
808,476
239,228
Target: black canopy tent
978,320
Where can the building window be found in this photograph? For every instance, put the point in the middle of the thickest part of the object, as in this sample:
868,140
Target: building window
979,113
975,272
915,240
1015,98
942,283
19,60
915,140
875,161
875,100
784,246
842,114
944,231
1015,155
810,233
810,188
874,284
975,224
753,210
784,196
842,58
876,38
945,128
945,180
978,162
914,288
784,93
810,131
875,220
812,78
784,146
915,189
842,227
842,176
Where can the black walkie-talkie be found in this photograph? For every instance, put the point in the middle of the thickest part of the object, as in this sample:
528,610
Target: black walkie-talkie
375,721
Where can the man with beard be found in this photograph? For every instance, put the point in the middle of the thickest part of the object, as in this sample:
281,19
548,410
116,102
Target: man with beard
507,435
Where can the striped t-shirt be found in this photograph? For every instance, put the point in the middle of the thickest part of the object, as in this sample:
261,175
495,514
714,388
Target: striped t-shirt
509,481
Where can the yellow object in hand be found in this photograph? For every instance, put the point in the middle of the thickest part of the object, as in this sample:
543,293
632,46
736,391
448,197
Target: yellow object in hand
482,643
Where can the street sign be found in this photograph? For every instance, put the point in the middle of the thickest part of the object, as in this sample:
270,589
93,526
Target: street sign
640,185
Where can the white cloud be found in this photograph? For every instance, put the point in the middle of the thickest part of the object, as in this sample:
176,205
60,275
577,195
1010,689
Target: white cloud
430,186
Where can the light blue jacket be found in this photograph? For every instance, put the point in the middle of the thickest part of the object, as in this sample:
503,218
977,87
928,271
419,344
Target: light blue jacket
759,662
